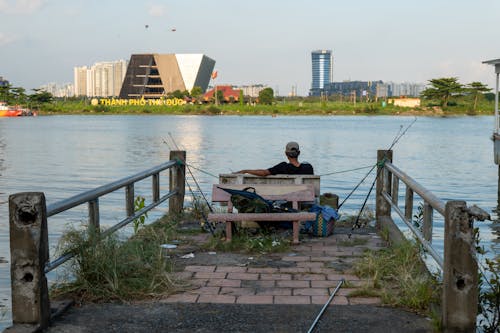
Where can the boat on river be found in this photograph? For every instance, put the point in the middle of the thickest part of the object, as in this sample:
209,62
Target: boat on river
14,111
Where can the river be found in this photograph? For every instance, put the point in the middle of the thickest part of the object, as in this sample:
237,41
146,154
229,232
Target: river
65,155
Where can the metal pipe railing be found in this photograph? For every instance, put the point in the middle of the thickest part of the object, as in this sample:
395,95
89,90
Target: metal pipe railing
90,195
424,193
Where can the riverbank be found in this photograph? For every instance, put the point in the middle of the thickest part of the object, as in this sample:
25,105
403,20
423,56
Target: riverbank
278,108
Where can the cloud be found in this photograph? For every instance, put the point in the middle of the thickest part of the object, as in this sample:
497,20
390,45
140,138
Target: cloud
156,10
6,39
20,6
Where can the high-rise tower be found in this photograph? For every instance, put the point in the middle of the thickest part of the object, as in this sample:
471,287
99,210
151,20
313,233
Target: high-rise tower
322,71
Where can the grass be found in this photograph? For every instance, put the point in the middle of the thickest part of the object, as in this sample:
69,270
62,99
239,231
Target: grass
246,241
113,269
396,274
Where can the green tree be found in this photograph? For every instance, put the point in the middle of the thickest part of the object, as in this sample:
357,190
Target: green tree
443,89
19,95
196,92
220,97
40,96
266,96
241,98
6,93
476,89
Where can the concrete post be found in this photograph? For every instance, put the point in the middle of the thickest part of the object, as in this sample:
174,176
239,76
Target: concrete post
29,253
460,275
383,208
177,182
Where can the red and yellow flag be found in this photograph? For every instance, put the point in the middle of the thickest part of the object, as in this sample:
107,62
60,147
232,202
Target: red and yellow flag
214,75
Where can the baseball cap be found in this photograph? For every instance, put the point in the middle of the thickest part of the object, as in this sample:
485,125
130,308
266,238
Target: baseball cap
291,146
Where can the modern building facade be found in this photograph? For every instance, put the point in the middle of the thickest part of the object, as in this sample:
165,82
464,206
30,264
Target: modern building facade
155,75
322,71
57,90
3,82
103,79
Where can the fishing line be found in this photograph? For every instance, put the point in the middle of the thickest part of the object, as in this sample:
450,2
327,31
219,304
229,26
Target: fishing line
398,136
210,226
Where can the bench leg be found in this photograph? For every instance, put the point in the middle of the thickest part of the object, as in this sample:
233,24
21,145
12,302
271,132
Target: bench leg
229,231
296,227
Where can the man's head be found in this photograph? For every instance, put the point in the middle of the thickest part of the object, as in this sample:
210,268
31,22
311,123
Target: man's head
292,149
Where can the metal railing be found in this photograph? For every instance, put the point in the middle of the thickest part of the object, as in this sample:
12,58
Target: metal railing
458,264
28,215
91,197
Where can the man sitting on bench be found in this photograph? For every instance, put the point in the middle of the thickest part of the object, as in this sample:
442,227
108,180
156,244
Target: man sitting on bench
293,167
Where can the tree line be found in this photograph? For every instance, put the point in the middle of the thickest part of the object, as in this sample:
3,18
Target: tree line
442,89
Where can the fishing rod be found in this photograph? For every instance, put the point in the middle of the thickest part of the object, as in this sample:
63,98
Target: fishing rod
325,306
210,226
398,136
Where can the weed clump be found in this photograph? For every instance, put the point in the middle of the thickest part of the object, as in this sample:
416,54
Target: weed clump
107,269
399,277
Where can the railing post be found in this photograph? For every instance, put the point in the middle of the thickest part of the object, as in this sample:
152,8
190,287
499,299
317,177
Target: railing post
460,275
383,208
29,251
428,221
395,189
409,203
177,181
156,187
94,219
130,199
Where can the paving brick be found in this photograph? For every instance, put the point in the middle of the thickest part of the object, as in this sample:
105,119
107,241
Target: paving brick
323,270
310,264
206,290
340,300
268,270
319,299
324,259
237,291
294,270
275,291
209,275
223,283
216,299
364,300
343,291
293,284
199,282
200,268
229,269
311,277
180,298
296,258
182,275
255,299
275,276
258,284
292,300
324,284
310,292
338,277
242,276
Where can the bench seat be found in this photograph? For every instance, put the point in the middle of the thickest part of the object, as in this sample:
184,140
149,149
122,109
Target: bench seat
295,194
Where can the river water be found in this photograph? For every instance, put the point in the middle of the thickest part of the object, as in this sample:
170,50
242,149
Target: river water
65,155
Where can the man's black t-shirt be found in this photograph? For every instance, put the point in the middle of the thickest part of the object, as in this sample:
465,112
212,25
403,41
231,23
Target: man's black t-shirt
290,169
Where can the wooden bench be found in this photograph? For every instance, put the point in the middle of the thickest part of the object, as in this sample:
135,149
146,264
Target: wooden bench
293,193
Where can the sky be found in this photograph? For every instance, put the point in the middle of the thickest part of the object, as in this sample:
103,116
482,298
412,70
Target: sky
255,42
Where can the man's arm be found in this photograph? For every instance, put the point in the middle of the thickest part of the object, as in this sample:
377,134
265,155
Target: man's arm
256,172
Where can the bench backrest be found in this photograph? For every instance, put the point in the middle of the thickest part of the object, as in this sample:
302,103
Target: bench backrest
289,192
275,179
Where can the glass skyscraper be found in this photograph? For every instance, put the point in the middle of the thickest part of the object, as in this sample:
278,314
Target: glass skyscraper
322,70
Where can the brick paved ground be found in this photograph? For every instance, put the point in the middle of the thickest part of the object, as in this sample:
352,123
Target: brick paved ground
307,274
